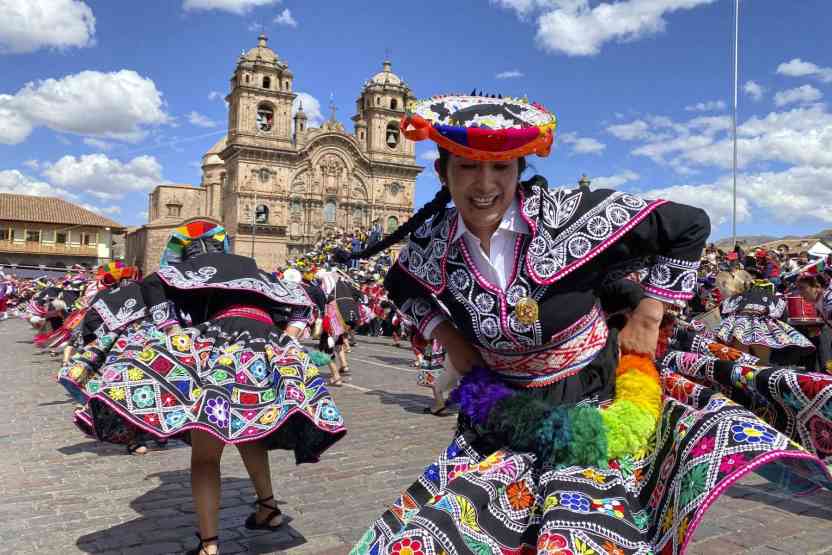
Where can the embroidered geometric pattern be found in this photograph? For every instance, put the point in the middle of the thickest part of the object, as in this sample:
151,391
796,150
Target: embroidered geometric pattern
671,279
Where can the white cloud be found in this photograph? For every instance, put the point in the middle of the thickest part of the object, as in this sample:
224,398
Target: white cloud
614,181
632,131
117,105
200,120
32,164
575,28
311,107
715,199
13,181
582,145
255,27
103,177
216,95
710,106
800,95
238,7
98,144
754,90
798,68
430,155
103,210
510,74
143,215
285,18
29,25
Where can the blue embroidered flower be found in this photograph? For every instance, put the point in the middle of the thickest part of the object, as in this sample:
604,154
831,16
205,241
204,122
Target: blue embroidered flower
143,397
329,412
575,501
258,369
432,473
175,419
752,433
453,450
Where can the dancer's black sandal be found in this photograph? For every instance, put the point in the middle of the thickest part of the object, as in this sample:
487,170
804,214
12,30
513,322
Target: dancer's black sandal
202,545
133,449
251,521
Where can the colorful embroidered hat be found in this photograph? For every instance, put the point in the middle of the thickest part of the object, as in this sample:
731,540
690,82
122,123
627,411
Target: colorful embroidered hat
189,232
113,272
482,127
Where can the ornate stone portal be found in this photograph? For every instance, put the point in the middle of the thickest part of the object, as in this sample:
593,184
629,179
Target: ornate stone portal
279,185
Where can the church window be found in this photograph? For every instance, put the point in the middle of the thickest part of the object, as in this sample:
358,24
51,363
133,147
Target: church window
247,78
267,82
393,103
265,117
378,101
297,205
392,135
174,210
329,211
286,85
392,224
261,214
361,135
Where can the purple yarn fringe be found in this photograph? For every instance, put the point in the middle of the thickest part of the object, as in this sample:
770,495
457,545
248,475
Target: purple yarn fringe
477,394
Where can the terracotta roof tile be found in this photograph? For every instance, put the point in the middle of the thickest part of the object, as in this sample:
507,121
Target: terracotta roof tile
27,208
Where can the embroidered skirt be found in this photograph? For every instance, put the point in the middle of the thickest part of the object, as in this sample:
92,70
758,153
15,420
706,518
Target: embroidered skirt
481,497
234,378
760,330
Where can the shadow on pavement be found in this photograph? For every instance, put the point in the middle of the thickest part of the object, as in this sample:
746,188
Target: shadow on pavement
168,522
817,504
108,449
408,401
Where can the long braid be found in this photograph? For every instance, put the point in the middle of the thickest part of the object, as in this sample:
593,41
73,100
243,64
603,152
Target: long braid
434,207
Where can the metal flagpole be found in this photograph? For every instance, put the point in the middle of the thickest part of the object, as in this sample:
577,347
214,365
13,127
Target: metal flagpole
734,122
254,224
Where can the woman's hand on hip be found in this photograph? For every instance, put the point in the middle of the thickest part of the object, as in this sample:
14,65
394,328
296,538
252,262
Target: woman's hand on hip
641,334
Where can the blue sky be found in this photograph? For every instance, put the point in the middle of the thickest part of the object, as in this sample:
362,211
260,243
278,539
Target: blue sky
102,100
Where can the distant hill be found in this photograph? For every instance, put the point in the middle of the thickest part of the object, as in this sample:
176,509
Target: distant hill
748,241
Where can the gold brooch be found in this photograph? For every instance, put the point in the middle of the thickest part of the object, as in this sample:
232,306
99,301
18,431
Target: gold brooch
526,311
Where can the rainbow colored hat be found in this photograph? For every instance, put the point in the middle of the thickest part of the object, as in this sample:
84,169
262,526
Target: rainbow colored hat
482,127
189,232
115,271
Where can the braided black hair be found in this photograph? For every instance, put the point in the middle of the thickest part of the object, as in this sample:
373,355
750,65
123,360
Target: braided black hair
434,207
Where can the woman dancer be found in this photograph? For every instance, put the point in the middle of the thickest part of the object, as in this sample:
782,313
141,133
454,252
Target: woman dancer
562,446
231,378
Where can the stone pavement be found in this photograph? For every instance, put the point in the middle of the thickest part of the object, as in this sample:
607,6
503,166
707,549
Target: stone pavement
61,492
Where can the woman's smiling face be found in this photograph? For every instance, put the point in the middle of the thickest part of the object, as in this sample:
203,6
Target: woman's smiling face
481,191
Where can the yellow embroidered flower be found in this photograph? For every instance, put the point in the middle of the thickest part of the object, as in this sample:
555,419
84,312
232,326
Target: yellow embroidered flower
288,371
269,416
594,475
195,393
116,394
683,529
312,371
225,360
76,372
146,355
667,521
181,342
550,503
492,460
135,374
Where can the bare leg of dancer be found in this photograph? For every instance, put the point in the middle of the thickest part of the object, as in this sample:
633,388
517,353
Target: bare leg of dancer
256,459
206,452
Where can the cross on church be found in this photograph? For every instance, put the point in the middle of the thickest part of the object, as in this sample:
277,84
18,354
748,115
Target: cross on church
333,108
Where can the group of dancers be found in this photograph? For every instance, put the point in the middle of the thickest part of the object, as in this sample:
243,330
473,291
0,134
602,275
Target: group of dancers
593,417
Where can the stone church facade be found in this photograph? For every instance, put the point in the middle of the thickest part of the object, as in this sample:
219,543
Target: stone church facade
279,185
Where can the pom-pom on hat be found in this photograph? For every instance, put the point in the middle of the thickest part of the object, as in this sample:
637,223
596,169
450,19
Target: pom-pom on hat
115,271
481,127
189,232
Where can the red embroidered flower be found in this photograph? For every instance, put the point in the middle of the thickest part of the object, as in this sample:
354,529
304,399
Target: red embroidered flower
731,463
550,543
407,546
703,447
151,419
821,435
612,549
168,400
812,384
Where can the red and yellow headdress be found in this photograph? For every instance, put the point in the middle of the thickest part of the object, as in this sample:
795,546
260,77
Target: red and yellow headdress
114,272
482,127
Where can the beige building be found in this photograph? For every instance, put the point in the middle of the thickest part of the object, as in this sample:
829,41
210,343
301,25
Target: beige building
51,232
277,184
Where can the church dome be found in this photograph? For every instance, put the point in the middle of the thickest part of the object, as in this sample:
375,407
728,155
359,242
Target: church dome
212,157
386,76
261,53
